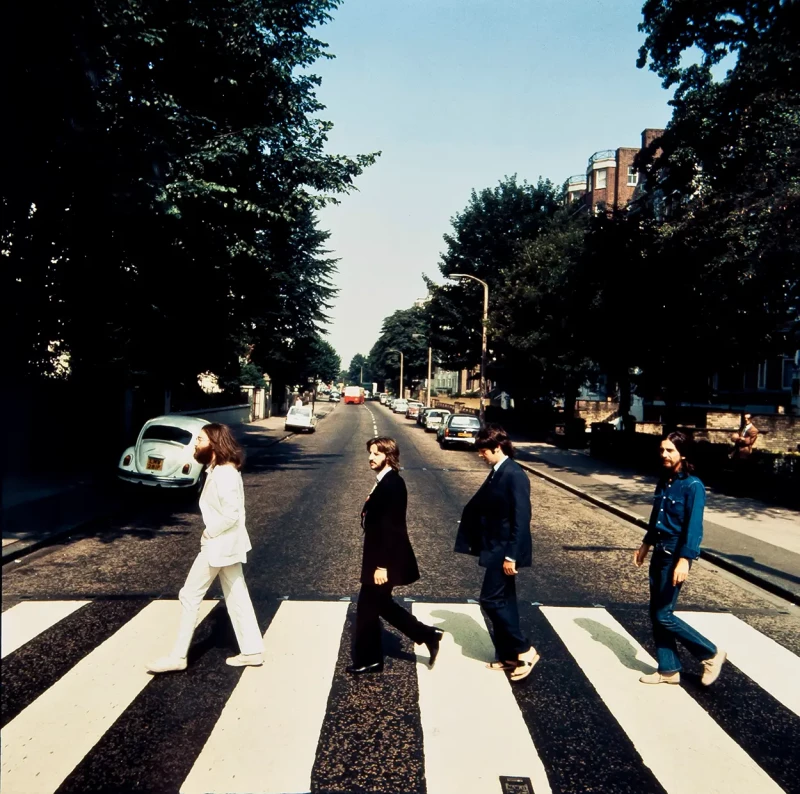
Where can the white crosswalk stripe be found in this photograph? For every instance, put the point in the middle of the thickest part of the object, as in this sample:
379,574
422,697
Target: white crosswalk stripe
664,722
265,737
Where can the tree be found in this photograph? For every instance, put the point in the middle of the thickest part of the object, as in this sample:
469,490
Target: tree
358,367
722,188
484,242
166,178
405,330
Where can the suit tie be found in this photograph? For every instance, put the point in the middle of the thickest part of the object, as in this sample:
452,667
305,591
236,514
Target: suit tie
491,475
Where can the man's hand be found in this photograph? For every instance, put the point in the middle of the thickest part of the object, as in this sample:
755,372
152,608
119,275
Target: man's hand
509,568
381,576
681,571
640,555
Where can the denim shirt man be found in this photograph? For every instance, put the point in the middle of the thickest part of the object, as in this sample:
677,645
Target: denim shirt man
676,520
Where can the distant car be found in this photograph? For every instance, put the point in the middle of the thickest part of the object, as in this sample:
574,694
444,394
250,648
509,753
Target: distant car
163,455
334,397
400,406
458,429
382,398
412,412
434,417
301,418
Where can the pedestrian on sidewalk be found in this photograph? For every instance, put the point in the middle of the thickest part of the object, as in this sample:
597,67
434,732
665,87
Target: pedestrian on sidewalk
388,561
676,531
223,548
496,527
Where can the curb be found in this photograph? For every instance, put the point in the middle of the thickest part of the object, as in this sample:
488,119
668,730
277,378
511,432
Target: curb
708,556
21,548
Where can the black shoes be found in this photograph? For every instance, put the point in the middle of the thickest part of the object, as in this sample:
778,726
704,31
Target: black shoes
433,645
375,667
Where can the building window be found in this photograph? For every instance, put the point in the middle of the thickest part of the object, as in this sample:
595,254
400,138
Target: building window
788,372
633,176
600,179
762,375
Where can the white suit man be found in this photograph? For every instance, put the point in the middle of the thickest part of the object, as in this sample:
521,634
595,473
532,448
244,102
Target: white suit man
223,548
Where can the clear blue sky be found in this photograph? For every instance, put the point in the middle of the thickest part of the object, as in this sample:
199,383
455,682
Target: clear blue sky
458,94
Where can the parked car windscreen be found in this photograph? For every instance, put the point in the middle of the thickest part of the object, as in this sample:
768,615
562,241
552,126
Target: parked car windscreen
167,433
465,421
304,411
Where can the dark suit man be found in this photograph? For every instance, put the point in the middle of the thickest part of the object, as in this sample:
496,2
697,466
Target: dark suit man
388,562
496,528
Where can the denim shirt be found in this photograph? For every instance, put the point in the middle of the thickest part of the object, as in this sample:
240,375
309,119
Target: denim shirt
677,515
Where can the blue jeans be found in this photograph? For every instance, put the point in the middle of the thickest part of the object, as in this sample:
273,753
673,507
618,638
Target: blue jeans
666,627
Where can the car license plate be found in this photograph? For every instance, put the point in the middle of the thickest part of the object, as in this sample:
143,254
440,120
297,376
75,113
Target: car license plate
465,435
155,464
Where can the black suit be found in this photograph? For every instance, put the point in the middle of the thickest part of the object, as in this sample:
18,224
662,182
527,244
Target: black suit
386,545
495,525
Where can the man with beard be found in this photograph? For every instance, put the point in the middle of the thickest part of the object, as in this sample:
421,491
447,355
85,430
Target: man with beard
223,548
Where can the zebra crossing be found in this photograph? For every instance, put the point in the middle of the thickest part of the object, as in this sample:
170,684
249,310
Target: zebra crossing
80,713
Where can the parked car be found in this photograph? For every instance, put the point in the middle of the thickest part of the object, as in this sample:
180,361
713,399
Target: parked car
163,455
458,429
400,406
434,417
382,397
335,397
414,407
301,418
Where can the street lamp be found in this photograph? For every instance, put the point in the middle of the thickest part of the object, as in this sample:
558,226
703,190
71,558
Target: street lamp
394,350
483,335
428,390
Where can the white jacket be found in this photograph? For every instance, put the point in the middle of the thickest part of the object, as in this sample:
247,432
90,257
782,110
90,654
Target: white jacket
222,506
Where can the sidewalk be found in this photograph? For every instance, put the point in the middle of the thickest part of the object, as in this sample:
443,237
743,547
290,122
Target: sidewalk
37,510
757,541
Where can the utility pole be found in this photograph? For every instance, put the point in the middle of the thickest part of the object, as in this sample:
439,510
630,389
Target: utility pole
483,336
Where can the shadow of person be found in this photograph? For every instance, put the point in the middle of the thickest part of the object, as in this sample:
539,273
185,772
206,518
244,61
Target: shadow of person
470,635
620,646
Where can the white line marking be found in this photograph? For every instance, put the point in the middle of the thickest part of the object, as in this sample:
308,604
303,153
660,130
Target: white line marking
266,737
46,741
687,751
773,667
27,620
463,705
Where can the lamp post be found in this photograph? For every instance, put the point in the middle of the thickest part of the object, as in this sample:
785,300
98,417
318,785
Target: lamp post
428,390
483,335
394,350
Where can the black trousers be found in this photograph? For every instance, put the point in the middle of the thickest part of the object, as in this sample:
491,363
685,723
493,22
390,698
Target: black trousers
375,602
499,601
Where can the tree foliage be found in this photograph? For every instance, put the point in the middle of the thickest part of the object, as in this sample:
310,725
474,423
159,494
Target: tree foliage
405,330
723,188
160,186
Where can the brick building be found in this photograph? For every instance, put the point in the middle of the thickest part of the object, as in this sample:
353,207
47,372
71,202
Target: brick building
611,179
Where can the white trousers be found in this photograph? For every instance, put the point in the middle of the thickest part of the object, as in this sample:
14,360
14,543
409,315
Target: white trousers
237,599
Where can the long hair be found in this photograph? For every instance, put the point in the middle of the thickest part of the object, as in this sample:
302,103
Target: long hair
683,444
226,448
492,436
388,446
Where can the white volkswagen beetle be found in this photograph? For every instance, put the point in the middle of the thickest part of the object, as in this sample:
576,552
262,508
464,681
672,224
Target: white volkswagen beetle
163,455
301,417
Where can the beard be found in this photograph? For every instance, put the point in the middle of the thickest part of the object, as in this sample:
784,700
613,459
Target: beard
204,455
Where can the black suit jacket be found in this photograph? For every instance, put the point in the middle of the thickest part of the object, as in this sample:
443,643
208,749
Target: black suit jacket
496,523
386,543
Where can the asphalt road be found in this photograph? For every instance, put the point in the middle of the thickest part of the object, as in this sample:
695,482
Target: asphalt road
304,497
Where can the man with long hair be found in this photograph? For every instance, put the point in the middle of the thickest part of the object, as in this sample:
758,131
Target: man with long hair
388,561
676,531
496,527
223,548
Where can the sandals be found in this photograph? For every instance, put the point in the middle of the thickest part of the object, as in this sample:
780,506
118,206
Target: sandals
523,667
498,665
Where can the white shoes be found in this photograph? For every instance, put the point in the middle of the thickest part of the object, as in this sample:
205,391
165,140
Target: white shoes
658,678
166,664
712,668
246,660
